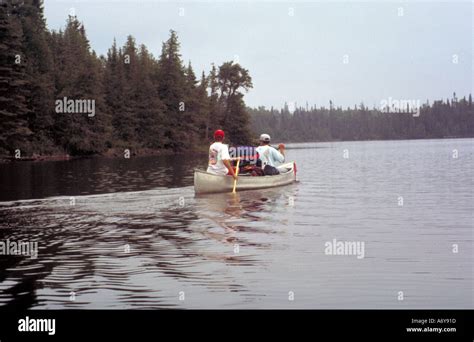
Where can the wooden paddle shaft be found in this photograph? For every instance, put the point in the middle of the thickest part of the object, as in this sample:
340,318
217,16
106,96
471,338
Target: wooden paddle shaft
236,174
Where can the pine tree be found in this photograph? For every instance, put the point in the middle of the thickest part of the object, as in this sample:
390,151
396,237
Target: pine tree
205,106
215,113
149,108
193,116
78,76
172,91
13,83
36,55
114,94
126,120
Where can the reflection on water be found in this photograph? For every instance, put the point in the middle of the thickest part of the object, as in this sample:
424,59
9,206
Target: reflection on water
95,175
135,249
136,236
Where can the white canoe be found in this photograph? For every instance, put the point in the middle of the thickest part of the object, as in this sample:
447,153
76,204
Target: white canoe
205,183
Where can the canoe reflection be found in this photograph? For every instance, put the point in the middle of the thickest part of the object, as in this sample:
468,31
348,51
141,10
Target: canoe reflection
234,212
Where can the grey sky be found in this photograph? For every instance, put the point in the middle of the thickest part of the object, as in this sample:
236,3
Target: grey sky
300,57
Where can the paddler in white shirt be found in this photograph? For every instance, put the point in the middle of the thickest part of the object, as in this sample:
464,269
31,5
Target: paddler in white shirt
219,158
270,156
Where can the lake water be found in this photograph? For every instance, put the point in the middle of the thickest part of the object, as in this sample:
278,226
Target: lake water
118,233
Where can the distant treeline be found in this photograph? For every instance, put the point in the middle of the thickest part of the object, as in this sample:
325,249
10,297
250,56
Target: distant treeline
57,96
451,118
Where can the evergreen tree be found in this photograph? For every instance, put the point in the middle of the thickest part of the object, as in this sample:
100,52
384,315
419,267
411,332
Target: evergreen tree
36,55
215,113
149,108
172,92
14,130
125,119
79,77
205,106
114,94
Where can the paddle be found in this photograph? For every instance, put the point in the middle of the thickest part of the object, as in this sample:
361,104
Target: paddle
236,174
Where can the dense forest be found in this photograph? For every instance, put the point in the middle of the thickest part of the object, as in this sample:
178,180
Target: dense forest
57,96
441,119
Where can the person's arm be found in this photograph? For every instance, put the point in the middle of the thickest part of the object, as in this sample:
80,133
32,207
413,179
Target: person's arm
279,157
281,149
226,161
229,167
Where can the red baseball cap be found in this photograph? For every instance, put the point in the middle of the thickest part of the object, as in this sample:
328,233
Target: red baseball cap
219,134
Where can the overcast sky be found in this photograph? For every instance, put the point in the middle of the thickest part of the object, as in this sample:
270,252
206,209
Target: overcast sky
301,51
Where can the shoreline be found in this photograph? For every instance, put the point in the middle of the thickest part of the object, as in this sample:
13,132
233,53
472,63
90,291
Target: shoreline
375,139
146,152
111,153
